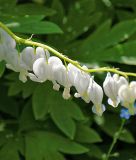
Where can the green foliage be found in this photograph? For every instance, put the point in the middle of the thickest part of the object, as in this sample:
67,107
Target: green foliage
36,123
51,102
47,145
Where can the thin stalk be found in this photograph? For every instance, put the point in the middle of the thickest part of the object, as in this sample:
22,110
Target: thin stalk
115,138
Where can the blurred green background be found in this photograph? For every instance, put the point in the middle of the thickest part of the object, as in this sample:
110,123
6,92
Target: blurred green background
35,122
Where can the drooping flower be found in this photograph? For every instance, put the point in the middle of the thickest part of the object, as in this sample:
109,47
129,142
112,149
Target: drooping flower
40,69
13,62
27,58
72,71
111,86
52,63
61,76
44,70
95,93
81,83
127,95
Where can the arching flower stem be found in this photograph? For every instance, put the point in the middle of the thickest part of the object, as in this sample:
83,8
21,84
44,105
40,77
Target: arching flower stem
60,55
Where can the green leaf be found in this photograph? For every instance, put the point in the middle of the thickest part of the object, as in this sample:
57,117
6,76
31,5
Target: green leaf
94,46
9,8
7,104
12,147
73,26
27,121
43,27
16,86
63,112
122,53
127,136
10,20
46,145
85,134
94,151
2,68
33,9
5,3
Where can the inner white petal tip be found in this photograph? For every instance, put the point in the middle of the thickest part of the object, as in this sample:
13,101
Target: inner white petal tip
56,87
113,103
98,109
77,95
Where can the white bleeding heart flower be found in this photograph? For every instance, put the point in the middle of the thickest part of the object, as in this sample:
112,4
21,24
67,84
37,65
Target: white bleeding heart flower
81,83
111,86
27,58
61,76
29,55
52,63
127,95
72,71
120,80
40,69
43,70
13,63
95,93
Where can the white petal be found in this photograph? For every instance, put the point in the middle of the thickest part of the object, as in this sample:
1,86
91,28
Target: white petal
40,69
110,87
52,63
41,53
72,71
33,77
27,57
95,92
60,75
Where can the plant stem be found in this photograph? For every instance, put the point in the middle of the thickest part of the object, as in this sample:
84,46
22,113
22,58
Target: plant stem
115,138
60,55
